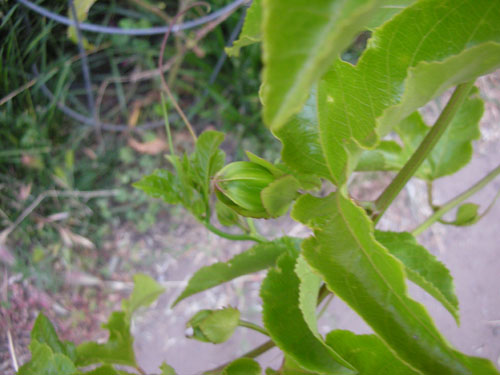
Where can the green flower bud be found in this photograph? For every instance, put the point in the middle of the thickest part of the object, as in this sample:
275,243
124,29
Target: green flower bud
239,185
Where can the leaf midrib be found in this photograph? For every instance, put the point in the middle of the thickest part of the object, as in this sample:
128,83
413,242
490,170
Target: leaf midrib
365,253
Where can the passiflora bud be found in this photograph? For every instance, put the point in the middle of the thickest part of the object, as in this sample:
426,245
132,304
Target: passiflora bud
239,185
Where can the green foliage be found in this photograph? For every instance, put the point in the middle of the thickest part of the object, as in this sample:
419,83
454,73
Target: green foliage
287,325
422,268
215,326
44,333
242,366
368,354
371,281
146,291
257,258
251,31
50,355
467,214
331,117
452,152
290,69
44,361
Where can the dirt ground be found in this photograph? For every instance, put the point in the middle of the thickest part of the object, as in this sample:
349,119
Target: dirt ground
177,247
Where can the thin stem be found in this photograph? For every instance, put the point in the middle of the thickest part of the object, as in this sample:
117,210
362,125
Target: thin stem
456,201
255,327
325,306
430,140
261,349
322,294
167,125
235,237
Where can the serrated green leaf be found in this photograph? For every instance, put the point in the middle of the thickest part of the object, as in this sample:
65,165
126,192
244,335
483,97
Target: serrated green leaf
371,281
161,184
368,354
300,40
310,284
300,138
117,350
416,56
45,362
257,258
145,292
387,11
279,194
167,369
44,333
291,367
243,366
207,159
422,268
388,156
286,325
215,326
251,31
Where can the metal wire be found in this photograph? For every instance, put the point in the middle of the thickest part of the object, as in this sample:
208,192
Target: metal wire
93,121
120,31
85,64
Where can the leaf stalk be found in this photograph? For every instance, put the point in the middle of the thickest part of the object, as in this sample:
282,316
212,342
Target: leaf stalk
456,201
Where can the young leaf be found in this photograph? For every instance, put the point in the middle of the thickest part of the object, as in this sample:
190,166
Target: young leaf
117,350
300,40
416,56
368,354
286,325
452,152
251,32
167,369
278,195
44,333
82,8
467,214
207,159
370,280
291,367
146,291
161,184
45,362
422,268
257,258
243,366
310,284
215,326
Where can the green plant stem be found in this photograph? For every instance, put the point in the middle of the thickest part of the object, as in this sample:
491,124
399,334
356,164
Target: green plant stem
456,201
255,327
391,192
235,237
261,349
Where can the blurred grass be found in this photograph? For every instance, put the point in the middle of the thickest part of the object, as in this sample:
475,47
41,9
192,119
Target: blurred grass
42,150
